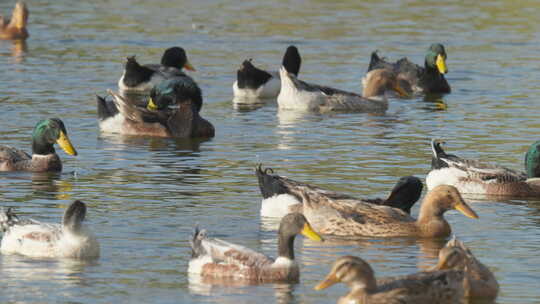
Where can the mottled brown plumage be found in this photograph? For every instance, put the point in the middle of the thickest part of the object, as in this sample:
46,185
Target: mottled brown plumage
424,287
219,259
479,281
349,217
15,28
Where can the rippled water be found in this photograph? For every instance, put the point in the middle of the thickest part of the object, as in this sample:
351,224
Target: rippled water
146,194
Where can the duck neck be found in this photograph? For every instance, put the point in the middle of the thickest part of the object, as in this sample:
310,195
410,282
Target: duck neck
374,90
429,212
286,246
41,147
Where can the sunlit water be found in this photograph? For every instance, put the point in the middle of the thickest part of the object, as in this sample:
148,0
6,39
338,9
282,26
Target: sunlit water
145,195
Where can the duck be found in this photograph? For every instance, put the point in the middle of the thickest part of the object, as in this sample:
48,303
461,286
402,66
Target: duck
172,110
478,177
138,78
479,281
46,133
279,198
28,237
15,28
296,94
342,216
427,287
216,258
423,80
254,83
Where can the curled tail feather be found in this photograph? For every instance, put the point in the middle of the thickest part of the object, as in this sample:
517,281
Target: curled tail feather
197,249
269,184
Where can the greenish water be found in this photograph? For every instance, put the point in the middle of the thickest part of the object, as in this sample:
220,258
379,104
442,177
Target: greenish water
145,194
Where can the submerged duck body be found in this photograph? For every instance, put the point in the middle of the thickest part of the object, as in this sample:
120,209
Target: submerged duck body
478,177
15,28
254,83
35,239
138,78
220,259
44,158
279,196
420,288
172,110
296,94
425,80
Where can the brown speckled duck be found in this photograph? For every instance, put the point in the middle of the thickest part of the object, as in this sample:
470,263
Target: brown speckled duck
44,158
279,198
479,281
15,28
426,287
220,259
347,217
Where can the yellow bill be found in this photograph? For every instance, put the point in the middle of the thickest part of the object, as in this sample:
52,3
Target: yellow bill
330,280
308,232
65,144
189,67
151,105
466,210
441,64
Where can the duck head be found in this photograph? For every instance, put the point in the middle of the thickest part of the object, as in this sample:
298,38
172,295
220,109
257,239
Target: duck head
46,133
532,160
176,57
350,270
436,58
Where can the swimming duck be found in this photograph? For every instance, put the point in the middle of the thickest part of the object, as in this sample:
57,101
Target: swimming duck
15,28
427,79
300,95
343,216
142,78
217,258
172,110
479,281
424,287
44,240
46,133
477,177
256,83
279,199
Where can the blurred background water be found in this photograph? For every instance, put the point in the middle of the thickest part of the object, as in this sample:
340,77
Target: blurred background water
145,195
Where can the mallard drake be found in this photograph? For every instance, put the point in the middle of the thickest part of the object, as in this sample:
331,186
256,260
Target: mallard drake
477,177
142,78
252,82
479,281
217,258
279,199
300,95
435,287
15,28
46,133
172,110
29,237
343,216
427,79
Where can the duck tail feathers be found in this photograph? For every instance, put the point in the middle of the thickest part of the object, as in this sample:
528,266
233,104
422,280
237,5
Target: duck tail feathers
249,76
7,219
269,184
374,61
105,109
405,193
197,248
135,73
74,216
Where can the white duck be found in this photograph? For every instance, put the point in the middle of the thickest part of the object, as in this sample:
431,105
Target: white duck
296,94
35,239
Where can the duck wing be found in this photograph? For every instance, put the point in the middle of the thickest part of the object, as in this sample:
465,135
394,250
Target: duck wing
473,169
226,253
130,110
13,155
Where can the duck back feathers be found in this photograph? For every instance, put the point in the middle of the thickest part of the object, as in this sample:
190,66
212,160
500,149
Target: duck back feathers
250,77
